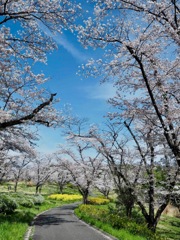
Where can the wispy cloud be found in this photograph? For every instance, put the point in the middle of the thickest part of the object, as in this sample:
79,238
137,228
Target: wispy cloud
100,91
61,40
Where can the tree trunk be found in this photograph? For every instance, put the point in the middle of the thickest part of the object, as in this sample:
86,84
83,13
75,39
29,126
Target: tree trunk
151,193
40,189
60,189
152,225
15,186
85,196
106,194
129,211
152,221
37,189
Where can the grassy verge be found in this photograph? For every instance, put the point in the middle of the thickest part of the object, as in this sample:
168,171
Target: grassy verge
121,234
14,226
119,227
168,227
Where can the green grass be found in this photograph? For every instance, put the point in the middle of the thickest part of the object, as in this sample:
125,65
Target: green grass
121,234
47,189
169,227
14,226
118,226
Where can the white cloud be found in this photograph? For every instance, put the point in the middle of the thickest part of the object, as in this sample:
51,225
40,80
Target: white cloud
101,91
60,39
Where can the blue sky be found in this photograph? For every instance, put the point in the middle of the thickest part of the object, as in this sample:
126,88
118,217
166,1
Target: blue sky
85,95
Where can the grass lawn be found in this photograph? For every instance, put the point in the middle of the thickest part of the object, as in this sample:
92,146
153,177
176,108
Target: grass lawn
14,226
47,189
169,227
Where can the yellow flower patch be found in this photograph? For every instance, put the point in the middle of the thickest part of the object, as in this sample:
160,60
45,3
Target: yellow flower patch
99,201
65,197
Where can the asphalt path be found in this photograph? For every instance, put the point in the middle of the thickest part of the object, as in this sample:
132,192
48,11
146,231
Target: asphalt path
61,224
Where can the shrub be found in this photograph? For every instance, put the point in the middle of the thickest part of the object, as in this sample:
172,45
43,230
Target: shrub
38,199
26,202
7,204
23,200
116,221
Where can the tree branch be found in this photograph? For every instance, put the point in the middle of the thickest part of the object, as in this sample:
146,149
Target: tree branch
22,120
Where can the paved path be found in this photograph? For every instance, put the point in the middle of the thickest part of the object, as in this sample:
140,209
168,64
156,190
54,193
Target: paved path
61,224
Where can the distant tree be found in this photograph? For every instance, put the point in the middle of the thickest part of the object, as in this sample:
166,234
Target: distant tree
16,144
83,169
4,166
121,160
83,164
41,170
104,182
61,177
18,164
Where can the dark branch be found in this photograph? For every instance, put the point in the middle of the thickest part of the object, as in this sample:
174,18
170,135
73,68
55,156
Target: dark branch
30,116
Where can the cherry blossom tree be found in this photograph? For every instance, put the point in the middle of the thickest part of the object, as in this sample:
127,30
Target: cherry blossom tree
18,164
141,42
79,159
61,177
16,143
133,165
105,183
41,170
133,158
17,139
83,168
23,99
4,166
32,17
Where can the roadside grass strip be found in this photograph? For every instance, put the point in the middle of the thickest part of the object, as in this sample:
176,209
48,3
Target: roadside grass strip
120,227
15,226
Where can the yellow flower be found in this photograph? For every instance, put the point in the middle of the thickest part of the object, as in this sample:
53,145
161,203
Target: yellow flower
66,197
99,201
